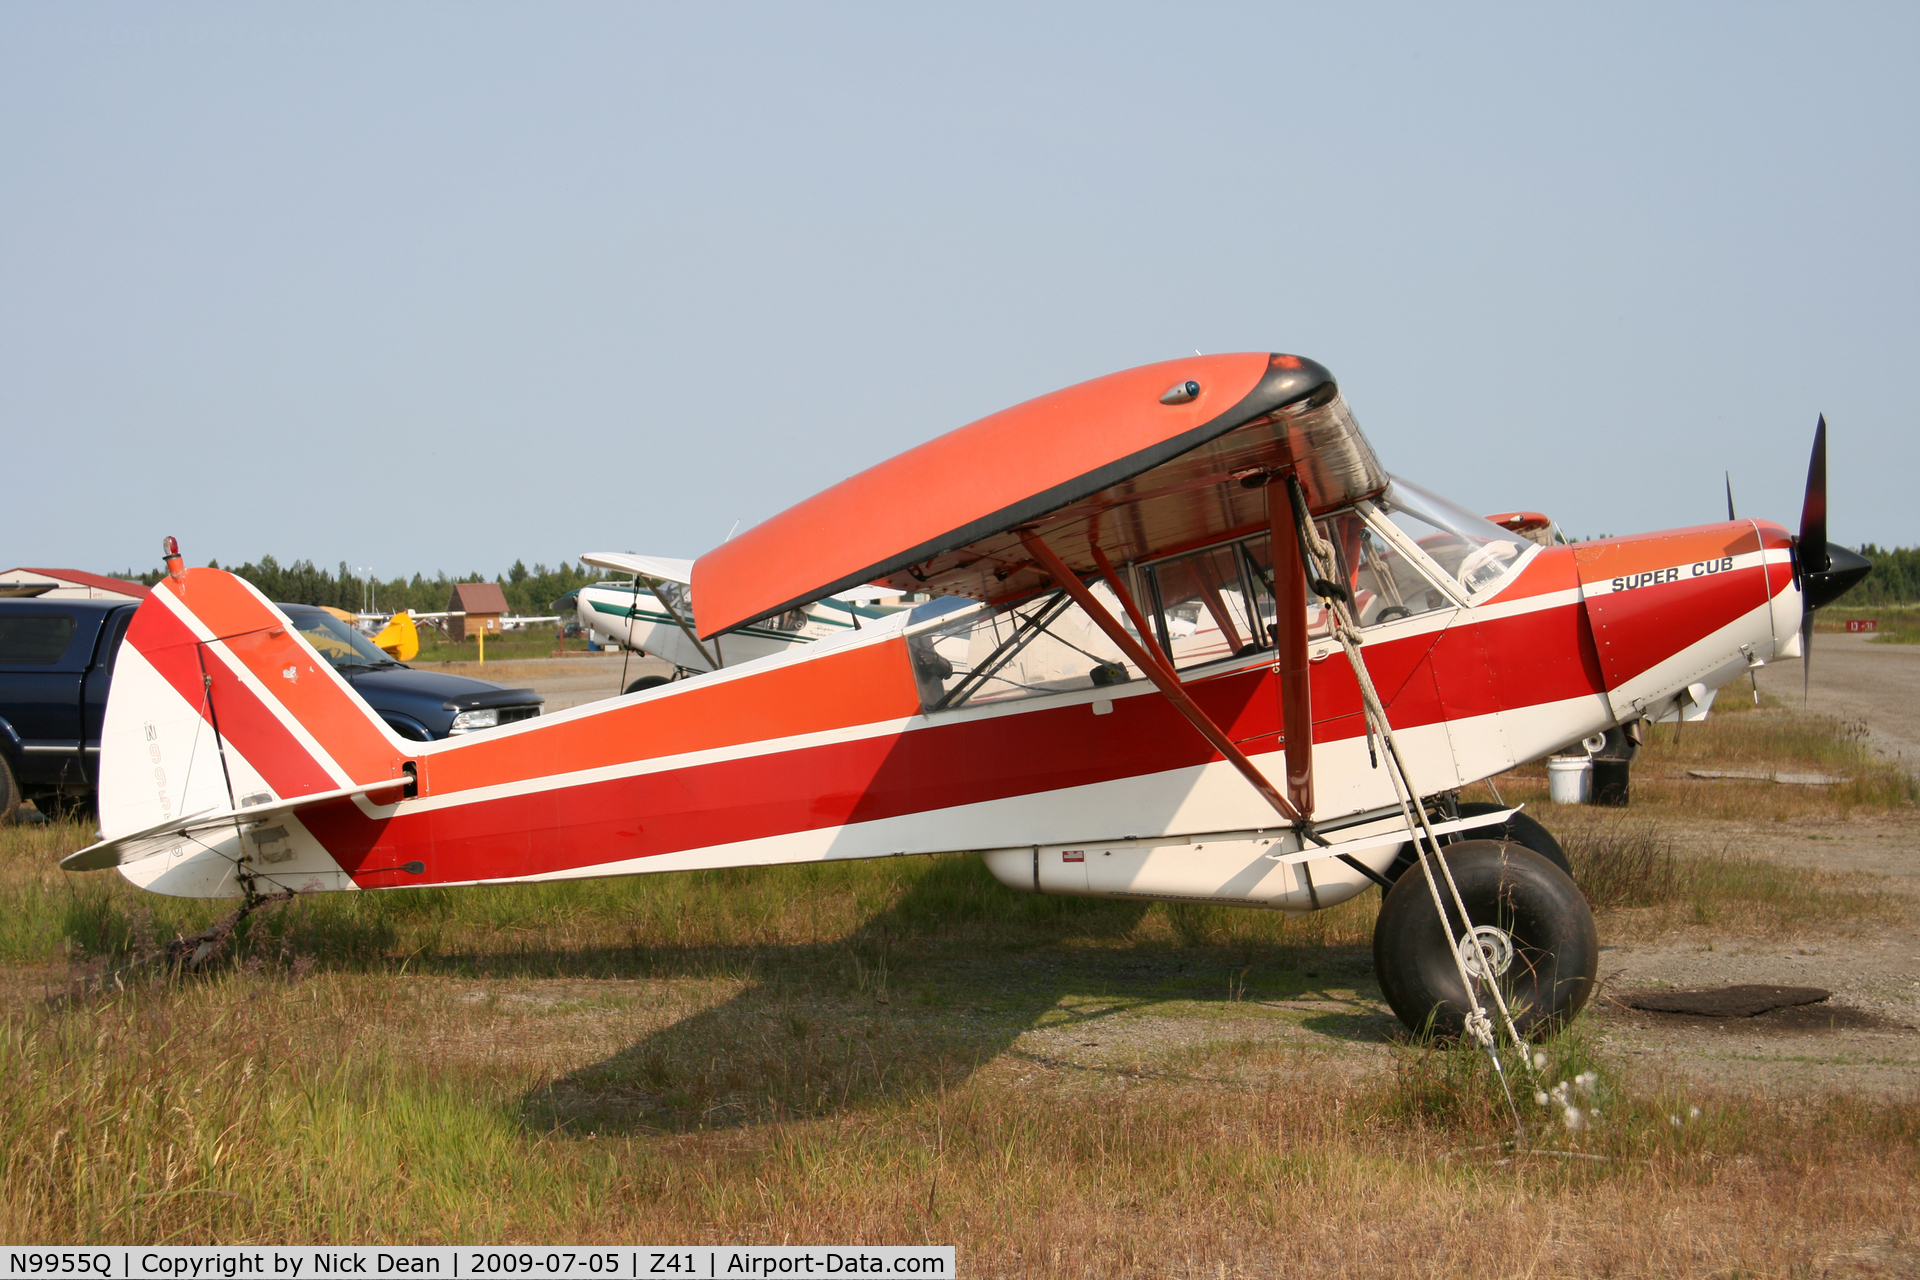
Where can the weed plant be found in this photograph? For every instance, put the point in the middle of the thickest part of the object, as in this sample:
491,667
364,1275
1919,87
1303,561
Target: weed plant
1627,868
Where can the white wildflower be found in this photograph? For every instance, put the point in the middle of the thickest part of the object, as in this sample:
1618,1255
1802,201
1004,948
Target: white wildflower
1693,1113
1675,1120
1573,1117
1539,1062
1542,1098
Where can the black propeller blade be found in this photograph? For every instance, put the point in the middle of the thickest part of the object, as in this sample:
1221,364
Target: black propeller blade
1730,515
1826,571
1813,511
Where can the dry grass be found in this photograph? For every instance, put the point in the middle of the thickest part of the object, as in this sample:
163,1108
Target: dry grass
1642,888
257,1107
900,1050
509,670
537,643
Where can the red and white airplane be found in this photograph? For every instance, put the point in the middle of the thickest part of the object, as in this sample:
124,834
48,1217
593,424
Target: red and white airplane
1167,600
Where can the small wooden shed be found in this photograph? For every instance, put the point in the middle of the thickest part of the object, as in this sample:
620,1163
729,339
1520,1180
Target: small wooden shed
483,603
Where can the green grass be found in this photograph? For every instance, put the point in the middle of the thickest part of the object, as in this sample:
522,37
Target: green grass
1899,623
341,1107
605,927
435,647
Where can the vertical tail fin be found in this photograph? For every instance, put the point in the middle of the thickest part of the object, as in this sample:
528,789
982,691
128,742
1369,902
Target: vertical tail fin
399,637
218,703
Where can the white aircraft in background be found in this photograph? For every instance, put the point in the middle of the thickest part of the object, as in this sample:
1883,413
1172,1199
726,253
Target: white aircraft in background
654,614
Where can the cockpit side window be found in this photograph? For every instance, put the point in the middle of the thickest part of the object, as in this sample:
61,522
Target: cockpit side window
1206,606
1218,603
1214,603
675,594
1039,646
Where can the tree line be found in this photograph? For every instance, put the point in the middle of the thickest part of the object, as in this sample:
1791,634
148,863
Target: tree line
1895,578
529,592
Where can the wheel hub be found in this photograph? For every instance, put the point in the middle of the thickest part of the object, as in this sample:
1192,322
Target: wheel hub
1497,945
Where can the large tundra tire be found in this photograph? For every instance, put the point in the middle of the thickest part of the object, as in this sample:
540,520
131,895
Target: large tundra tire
1536,924
1518,829
9,795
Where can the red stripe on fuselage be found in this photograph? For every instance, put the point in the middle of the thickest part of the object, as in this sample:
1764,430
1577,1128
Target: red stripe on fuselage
940,764
839,689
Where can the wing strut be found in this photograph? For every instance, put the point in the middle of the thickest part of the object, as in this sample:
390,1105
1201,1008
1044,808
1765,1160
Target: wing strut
653,585
1163,679
1290,619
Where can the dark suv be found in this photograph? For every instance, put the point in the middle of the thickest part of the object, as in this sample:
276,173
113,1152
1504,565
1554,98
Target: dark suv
419,705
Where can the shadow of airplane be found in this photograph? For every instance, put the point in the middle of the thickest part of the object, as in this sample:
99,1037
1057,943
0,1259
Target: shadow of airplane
912,1002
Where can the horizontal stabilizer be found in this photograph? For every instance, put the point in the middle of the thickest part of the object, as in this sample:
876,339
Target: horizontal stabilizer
167,835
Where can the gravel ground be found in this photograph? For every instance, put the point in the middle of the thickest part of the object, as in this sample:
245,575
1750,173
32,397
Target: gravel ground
1857,679
1863,1038
563,682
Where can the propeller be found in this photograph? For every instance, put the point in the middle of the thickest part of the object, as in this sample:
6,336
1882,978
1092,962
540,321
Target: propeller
1826,571
1753,676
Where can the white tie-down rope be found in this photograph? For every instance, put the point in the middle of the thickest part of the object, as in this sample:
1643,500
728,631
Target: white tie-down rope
1478,1025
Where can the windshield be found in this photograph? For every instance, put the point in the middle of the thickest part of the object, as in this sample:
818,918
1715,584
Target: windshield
337,642
1470,549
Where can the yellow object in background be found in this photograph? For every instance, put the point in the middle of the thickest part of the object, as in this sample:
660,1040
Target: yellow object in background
399,637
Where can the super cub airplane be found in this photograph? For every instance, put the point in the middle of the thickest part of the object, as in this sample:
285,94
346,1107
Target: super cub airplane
654,614
1191,643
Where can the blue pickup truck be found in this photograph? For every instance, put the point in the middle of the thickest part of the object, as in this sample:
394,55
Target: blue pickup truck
56,666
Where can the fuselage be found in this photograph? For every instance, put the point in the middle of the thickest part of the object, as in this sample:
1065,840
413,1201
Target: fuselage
839,747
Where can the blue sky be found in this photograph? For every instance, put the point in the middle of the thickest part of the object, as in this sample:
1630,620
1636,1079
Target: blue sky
434,286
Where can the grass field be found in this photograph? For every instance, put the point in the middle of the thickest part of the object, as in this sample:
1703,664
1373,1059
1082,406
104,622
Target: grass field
538,643
1899,623
904,1050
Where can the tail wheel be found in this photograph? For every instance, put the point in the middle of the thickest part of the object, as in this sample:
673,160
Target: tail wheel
646,682
1535,926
